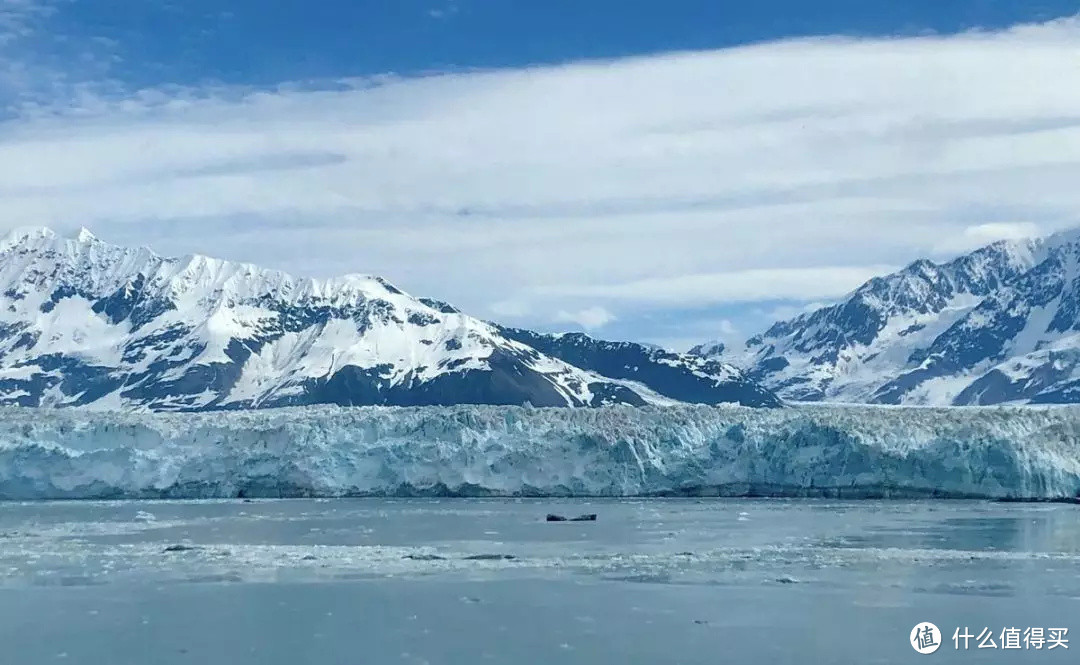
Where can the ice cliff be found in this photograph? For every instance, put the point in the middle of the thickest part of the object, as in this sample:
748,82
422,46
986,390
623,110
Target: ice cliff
487,450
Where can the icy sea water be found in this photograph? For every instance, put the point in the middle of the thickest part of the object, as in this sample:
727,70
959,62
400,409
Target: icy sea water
433,581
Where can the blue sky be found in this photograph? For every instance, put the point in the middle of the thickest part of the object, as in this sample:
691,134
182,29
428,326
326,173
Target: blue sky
256,42
672,172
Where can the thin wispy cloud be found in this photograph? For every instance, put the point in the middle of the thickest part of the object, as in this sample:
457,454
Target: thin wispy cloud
781,171
42,67
730,287
589,318
978,235
443,11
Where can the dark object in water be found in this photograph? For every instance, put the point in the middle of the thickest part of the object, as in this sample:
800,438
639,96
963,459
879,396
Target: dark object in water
490,557
180,548
552,517
424,557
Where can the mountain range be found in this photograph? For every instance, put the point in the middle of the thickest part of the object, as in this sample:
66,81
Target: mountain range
89,324
998,325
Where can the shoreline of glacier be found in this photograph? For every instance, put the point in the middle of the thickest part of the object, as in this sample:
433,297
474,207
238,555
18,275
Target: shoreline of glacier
801,451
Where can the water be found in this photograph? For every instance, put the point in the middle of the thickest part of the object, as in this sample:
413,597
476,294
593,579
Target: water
459,581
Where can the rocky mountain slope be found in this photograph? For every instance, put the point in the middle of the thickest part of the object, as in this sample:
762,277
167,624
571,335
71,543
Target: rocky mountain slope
681,376
998,325
87,323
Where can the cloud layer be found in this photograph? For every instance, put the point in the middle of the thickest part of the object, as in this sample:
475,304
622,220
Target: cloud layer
593,192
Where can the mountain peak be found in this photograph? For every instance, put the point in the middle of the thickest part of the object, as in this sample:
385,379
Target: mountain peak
83,235
999,324
36,235
23,234
89,323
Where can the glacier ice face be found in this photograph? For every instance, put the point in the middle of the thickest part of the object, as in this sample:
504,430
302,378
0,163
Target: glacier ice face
485,450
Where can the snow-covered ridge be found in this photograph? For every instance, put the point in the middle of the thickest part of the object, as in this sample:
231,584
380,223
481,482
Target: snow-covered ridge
84,323
998,325
101,268
481,450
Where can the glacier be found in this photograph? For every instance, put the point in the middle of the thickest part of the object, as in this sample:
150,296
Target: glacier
684,450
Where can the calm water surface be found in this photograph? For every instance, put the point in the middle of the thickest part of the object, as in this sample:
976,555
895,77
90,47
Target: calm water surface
460,581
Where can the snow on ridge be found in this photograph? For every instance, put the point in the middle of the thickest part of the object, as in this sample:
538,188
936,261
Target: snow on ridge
886,340
110,266
848,451
134,330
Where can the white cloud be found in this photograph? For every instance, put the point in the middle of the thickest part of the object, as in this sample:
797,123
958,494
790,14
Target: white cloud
731,287
785,312
512,309
686,332
725,332
445,11
659,181
40,64
589,318
727,328
978,235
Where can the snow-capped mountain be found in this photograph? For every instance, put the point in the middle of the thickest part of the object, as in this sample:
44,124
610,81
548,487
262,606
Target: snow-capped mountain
998,325
87,323
681,376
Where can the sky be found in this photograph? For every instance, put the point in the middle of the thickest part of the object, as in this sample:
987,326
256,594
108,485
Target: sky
672,172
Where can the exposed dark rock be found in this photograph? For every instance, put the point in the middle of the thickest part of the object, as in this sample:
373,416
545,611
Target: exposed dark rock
680,376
